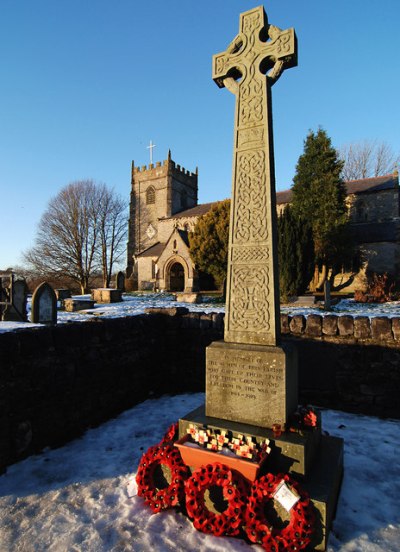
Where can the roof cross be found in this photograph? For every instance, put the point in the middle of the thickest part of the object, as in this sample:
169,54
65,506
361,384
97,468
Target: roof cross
150,147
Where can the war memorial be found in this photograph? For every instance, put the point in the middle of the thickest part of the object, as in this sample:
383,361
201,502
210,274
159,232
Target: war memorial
251,462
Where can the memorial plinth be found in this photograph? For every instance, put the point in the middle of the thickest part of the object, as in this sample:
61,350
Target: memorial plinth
253,384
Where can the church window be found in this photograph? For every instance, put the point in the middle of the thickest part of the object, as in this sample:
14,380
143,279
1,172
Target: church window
150,195
175,244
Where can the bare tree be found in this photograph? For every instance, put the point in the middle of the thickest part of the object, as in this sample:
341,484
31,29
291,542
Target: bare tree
367,159
69,240
113,226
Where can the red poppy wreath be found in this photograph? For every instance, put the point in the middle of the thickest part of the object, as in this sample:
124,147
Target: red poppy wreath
158,490
296,535
234,492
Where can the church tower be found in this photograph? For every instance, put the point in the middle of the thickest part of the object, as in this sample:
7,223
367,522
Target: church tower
157,192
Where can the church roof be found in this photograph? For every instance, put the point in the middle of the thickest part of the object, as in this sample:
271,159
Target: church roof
153,251
375,184
194,211
284,197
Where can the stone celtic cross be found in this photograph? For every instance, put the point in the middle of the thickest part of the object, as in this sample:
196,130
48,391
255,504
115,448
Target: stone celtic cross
248,68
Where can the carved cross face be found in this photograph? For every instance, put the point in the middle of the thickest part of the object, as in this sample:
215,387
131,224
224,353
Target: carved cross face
257,49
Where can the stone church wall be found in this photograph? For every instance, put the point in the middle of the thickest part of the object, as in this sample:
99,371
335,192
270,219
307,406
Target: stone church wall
58,381
374,206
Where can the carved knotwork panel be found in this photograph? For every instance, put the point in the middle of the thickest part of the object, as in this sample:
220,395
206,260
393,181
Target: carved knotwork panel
251,198
249,299
251,105
254,254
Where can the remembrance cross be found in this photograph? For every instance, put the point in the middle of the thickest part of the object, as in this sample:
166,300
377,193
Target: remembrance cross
251,64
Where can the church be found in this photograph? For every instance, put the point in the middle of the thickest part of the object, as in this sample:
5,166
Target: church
164,209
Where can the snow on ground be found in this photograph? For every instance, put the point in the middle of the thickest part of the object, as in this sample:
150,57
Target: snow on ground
74,499
131,305
136,304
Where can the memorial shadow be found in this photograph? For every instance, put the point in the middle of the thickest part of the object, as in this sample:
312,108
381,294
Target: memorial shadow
354,377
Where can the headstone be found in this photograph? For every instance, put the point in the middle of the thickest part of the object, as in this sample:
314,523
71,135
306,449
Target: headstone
327,295
19,298
107,295
305,301
250,377
189,297
120,281
62,294
74,305
44,305
14,299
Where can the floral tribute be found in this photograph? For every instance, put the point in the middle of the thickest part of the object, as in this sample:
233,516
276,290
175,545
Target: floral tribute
305,417
171,495
240,507
171,434
296,535
241,445
234,491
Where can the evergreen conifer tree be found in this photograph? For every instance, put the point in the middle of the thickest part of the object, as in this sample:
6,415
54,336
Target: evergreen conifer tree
208,244
295,253
319,198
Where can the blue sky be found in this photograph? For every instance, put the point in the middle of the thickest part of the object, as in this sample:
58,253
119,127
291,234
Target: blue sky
86,84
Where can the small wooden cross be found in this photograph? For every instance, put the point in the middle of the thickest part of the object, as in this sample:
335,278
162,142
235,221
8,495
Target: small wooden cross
251,64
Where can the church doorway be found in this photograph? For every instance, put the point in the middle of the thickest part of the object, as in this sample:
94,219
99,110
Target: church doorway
176,277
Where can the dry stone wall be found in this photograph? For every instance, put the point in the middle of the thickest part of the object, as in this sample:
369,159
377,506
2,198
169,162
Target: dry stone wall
55,382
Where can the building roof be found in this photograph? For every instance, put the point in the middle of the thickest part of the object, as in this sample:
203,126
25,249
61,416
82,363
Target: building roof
375,184
153,251
284,197
194,211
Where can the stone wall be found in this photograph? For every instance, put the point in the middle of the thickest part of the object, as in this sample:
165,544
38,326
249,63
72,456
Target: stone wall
55,382
348,363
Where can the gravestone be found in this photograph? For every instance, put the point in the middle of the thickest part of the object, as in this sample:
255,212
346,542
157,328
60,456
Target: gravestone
120,281
251,377
107,295
327,295
44,305
13,299
73,304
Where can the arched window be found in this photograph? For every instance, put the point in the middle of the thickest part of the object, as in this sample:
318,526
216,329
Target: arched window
150,195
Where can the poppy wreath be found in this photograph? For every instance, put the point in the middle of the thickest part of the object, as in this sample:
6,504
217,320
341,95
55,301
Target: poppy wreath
296,535
234,491
161,498
171,434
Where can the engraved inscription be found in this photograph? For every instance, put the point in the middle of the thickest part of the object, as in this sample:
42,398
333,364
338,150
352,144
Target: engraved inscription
251,198
246,377
249,301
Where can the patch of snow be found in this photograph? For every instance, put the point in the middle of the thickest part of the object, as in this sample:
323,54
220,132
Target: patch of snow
349,306
132,305
75,498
